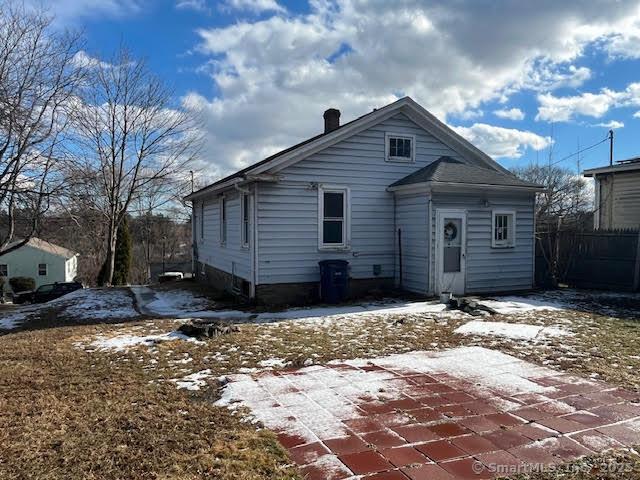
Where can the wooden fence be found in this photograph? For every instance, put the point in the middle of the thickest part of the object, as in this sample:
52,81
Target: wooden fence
595,259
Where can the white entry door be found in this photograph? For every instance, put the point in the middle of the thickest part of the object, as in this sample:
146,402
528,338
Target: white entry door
450,250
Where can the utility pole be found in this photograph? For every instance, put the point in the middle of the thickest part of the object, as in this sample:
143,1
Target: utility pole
611,147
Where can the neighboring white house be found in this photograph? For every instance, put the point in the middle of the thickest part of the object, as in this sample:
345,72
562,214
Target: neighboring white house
617,189
40,260
402,197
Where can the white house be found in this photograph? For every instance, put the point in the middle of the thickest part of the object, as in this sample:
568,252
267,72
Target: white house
40,260
398,194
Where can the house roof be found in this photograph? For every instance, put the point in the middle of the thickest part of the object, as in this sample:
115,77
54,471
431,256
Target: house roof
627,165
449,170
48,247
307,147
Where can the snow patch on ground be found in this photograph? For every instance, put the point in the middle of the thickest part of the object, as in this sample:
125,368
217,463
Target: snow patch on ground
122,343
273,363
193,381
520,331
86,304
515,304
99,304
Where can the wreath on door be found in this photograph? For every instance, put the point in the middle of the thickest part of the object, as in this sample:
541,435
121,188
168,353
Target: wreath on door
450,231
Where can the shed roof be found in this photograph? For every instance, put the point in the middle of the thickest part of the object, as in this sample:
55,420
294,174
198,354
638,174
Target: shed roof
450,170
630,164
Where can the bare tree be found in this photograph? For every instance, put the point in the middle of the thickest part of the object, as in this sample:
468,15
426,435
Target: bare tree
38,78
132,138
560,208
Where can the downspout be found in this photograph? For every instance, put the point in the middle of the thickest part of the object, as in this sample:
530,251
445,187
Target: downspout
254,243
430,255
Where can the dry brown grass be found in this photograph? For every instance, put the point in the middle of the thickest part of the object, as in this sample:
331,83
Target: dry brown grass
66,413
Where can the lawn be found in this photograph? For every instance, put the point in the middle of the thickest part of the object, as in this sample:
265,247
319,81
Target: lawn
75,404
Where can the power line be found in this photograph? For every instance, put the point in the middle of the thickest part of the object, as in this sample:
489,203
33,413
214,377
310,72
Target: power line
580,151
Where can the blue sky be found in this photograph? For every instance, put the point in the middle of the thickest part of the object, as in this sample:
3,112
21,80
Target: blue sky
513,77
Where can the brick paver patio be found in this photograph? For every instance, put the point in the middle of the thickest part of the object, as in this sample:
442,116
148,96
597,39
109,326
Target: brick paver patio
464,413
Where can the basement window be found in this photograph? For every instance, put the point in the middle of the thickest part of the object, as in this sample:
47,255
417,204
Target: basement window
504,232
400,148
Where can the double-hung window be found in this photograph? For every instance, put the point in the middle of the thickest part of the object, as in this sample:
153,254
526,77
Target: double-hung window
400,148
334,216
4,270
42,269
223,220
245,206
504,229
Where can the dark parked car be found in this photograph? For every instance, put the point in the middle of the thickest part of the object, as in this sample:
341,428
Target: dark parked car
44,293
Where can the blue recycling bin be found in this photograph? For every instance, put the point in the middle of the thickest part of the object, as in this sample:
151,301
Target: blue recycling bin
334,280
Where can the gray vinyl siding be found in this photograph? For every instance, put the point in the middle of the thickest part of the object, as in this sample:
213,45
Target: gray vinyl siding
412,219
210,250
492,269
620,200
288,210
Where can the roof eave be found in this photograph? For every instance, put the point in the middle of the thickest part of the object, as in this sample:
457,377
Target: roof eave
431,185
610,169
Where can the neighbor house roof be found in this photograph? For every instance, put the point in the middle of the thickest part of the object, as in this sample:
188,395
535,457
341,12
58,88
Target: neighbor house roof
451,171
630,164
48,247
307,147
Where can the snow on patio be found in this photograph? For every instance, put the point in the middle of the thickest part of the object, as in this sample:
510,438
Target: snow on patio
433,413
518,331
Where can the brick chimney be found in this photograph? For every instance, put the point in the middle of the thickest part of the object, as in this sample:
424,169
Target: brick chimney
331,120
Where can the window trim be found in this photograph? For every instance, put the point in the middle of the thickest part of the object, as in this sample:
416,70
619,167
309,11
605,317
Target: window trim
222,217
511,231
387,140
245,218
46,270
346,229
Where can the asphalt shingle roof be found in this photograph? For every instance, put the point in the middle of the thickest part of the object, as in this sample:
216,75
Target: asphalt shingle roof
450,170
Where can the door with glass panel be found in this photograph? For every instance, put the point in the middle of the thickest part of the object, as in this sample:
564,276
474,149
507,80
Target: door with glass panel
450,251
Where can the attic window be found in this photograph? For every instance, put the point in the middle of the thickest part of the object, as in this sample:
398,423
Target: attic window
400,148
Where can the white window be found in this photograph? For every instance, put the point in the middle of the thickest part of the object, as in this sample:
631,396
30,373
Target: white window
333,217
223,220
504,231
4,270
202,219
246,224
42,269
400,148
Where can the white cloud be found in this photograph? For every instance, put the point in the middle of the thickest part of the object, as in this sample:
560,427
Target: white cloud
470,114
510,114
71,11
195,5
256,6
503,142
275,76
564,109
611,124
637,114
